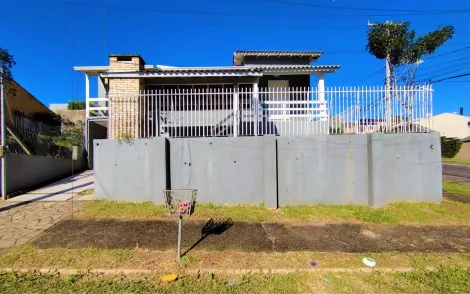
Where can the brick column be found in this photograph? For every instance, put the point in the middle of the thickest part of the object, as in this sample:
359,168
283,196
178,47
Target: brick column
125,105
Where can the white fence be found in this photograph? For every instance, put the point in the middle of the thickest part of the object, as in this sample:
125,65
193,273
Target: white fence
228,111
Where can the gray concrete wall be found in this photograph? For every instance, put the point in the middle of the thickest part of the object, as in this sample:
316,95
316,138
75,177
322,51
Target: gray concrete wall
225,170
95,132
374,169
135,171
27,172
323,169
405,167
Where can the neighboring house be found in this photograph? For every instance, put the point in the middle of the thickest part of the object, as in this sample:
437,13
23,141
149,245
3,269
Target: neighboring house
26,117
464,152
450,125
199,101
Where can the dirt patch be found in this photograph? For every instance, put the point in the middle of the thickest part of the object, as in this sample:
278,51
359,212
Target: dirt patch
456,197
256,237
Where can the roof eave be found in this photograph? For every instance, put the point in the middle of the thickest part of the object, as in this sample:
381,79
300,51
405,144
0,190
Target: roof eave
165,74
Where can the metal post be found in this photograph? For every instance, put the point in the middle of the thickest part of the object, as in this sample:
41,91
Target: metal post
255,103
388,95
3,141
180,228
235,109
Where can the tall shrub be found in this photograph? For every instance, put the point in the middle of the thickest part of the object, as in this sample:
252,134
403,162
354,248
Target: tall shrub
450,147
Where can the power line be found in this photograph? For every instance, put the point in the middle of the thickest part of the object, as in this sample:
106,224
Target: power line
442,74
451,78
447,53
465,10
195,12
444,63
369,76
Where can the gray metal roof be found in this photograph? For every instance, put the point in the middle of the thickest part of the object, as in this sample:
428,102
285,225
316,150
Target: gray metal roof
204,69
276,66
466,139
306,53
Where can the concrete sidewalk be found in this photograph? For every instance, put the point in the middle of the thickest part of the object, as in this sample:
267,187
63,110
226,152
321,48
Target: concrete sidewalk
62,190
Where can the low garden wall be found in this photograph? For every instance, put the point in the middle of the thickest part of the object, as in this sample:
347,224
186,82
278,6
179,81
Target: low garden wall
372,169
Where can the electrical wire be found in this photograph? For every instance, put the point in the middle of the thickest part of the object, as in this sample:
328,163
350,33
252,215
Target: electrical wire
447,53
450,78
368,77
195,12
366,9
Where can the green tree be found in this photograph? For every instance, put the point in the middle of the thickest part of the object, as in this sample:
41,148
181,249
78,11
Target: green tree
6,63
402,48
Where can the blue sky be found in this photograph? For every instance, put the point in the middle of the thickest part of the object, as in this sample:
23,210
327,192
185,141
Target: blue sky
47,42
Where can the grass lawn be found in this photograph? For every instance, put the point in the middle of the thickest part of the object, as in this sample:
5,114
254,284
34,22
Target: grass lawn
442,280
28,256
454,188
455,160
449,212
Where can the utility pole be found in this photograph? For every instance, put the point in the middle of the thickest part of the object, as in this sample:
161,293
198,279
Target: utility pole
3,139
388,94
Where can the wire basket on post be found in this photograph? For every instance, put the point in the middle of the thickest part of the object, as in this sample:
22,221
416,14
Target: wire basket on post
180,202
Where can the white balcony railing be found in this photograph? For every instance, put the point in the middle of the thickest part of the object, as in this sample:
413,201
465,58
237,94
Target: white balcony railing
97,107
206,112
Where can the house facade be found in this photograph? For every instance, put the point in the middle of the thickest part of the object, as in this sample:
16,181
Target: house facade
450,125
142,100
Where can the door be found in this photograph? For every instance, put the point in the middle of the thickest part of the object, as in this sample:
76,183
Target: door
278,99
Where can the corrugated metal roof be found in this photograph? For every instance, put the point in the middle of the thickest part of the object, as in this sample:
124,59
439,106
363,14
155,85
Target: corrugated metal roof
205,69
275,66
240,68
279,52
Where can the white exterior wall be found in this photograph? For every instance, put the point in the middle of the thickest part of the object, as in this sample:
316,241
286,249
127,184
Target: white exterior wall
451,125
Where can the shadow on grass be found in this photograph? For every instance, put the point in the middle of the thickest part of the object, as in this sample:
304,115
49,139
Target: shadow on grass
212,227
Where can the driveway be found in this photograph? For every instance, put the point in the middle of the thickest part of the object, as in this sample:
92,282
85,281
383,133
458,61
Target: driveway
24,217
62,190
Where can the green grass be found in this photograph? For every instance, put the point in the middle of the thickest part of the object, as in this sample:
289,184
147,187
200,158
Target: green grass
207,283
455,160
449,212
395,213
28,256
442,280
455,188
112,209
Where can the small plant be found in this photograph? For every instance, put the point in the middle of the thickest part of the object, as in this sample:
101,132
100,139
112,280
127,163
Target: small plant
125,137
76,105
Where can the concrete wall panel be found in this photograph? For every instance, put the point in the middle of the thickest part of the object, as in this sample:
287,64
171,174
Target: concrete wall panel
322,169
133,172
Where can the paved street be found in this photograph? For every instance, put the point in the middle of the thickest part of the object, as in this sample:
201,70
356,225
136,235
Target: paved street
456,173
25,217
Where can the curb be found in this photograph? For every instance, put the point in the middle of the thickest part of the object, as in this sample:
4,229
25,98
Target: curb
216,271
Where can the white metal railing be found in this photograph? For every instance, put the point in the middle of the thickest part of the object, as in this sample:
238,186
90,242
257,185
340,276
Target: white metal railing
247,111
96,107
